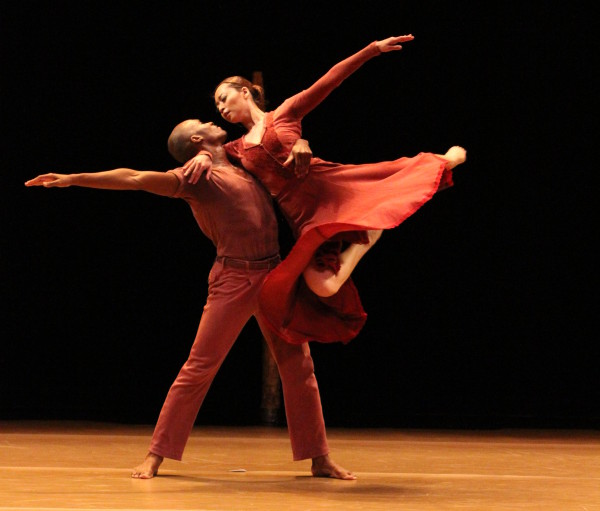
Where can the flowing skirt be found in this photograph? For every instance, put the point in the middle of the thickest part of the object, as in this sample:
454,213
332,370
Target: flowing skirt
337,202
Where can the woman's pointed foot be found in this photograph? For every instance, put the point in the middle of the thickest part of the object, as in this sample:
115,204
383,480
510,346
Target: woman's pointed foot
455,156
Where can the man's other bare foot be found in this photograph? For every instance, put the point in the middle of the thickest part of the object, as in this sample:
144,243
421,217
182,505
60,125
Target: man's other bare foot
324,466
455,156
149,468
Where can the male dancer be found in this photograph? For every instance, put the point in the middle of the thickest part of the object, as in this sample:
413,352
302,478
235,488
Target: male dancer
236,214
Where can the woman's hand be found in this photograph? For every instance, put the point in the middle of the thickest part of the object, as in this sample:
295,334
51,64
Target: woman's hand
393,43
195,167
299,158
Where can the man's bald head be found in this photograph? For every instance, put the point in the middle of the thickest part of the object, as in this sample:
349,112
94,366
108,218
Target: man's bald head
180,143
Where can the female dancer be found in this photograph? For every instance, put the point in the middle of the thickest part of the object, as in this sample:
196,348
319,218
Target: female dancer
336,211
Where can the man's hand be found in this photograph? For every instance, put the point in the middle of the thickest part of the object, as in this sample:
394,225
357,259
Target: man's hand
195,167
299,158
50,180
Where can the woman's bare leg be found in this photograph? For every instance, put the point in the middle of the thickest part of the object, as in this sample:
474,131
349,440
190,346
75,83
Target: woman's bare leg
327,283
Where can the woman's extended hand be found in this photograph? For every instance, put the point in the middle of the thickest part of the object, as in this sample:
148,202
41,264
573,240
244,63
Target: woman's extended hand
393,43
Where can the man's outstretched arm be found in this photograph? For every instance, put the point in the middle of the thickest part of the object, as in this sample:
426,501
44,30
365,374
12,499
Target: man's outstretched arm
159,183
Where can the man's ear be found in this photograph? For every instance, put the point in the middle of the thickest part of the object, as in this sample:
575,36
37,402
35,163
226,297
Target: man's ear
197,139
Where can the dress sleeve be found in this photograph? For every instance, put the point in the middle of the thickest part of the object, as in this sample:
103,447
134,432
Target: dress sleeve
299,105
233,152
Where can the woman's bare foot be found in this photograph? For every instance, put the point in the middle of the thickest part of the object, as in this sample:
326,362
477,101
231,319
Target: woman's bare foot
324,466
149,468
455,156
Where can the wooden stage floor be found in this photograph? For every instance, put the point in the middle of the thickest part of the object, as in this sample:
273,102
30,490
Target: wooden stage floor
86,466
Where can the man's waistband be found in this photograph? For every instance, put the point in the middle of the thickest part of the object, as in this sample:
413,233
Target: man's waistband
262,264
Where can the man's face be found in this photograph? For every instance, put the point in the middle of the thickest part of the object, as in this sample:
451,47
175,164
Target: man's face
208,130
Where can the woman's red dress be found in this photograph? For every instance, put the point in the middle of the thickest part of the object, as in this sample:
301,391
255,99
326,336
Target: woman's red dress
334,201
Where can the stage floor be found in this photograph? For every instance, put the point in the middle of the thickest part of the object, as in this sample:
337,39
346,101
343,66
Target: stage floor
86,466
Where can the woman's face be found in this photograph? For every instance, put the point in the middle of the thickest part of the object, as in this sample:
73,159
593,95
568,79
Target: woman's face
231,102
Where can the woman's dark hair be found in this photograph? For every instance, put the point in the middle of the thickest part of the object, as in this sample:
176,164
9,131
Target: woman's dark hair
237,82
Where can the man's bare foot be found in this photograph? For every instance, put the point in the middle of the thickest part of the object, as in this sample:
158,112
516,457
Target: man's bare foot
149,468
324,466
455,156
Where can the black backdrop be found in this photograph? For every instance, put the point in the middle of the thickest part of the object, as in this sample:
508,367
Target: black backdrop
480,306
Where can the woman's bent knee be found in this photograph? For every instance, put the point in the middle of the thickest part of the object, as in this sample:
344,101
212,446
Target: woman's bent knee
322,283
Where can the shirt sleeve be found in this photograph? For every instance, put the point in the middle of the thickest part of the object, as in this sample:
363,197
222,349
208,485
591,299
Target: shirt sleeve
178,173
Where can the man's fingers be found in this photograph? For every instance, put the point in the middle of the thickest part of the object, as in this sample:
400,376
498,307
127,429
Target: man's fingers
289,161
301,171
37,181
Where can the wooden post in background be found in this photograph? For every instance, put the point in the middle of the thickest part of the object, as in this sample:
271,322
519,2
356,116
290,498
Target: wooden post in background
271,385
